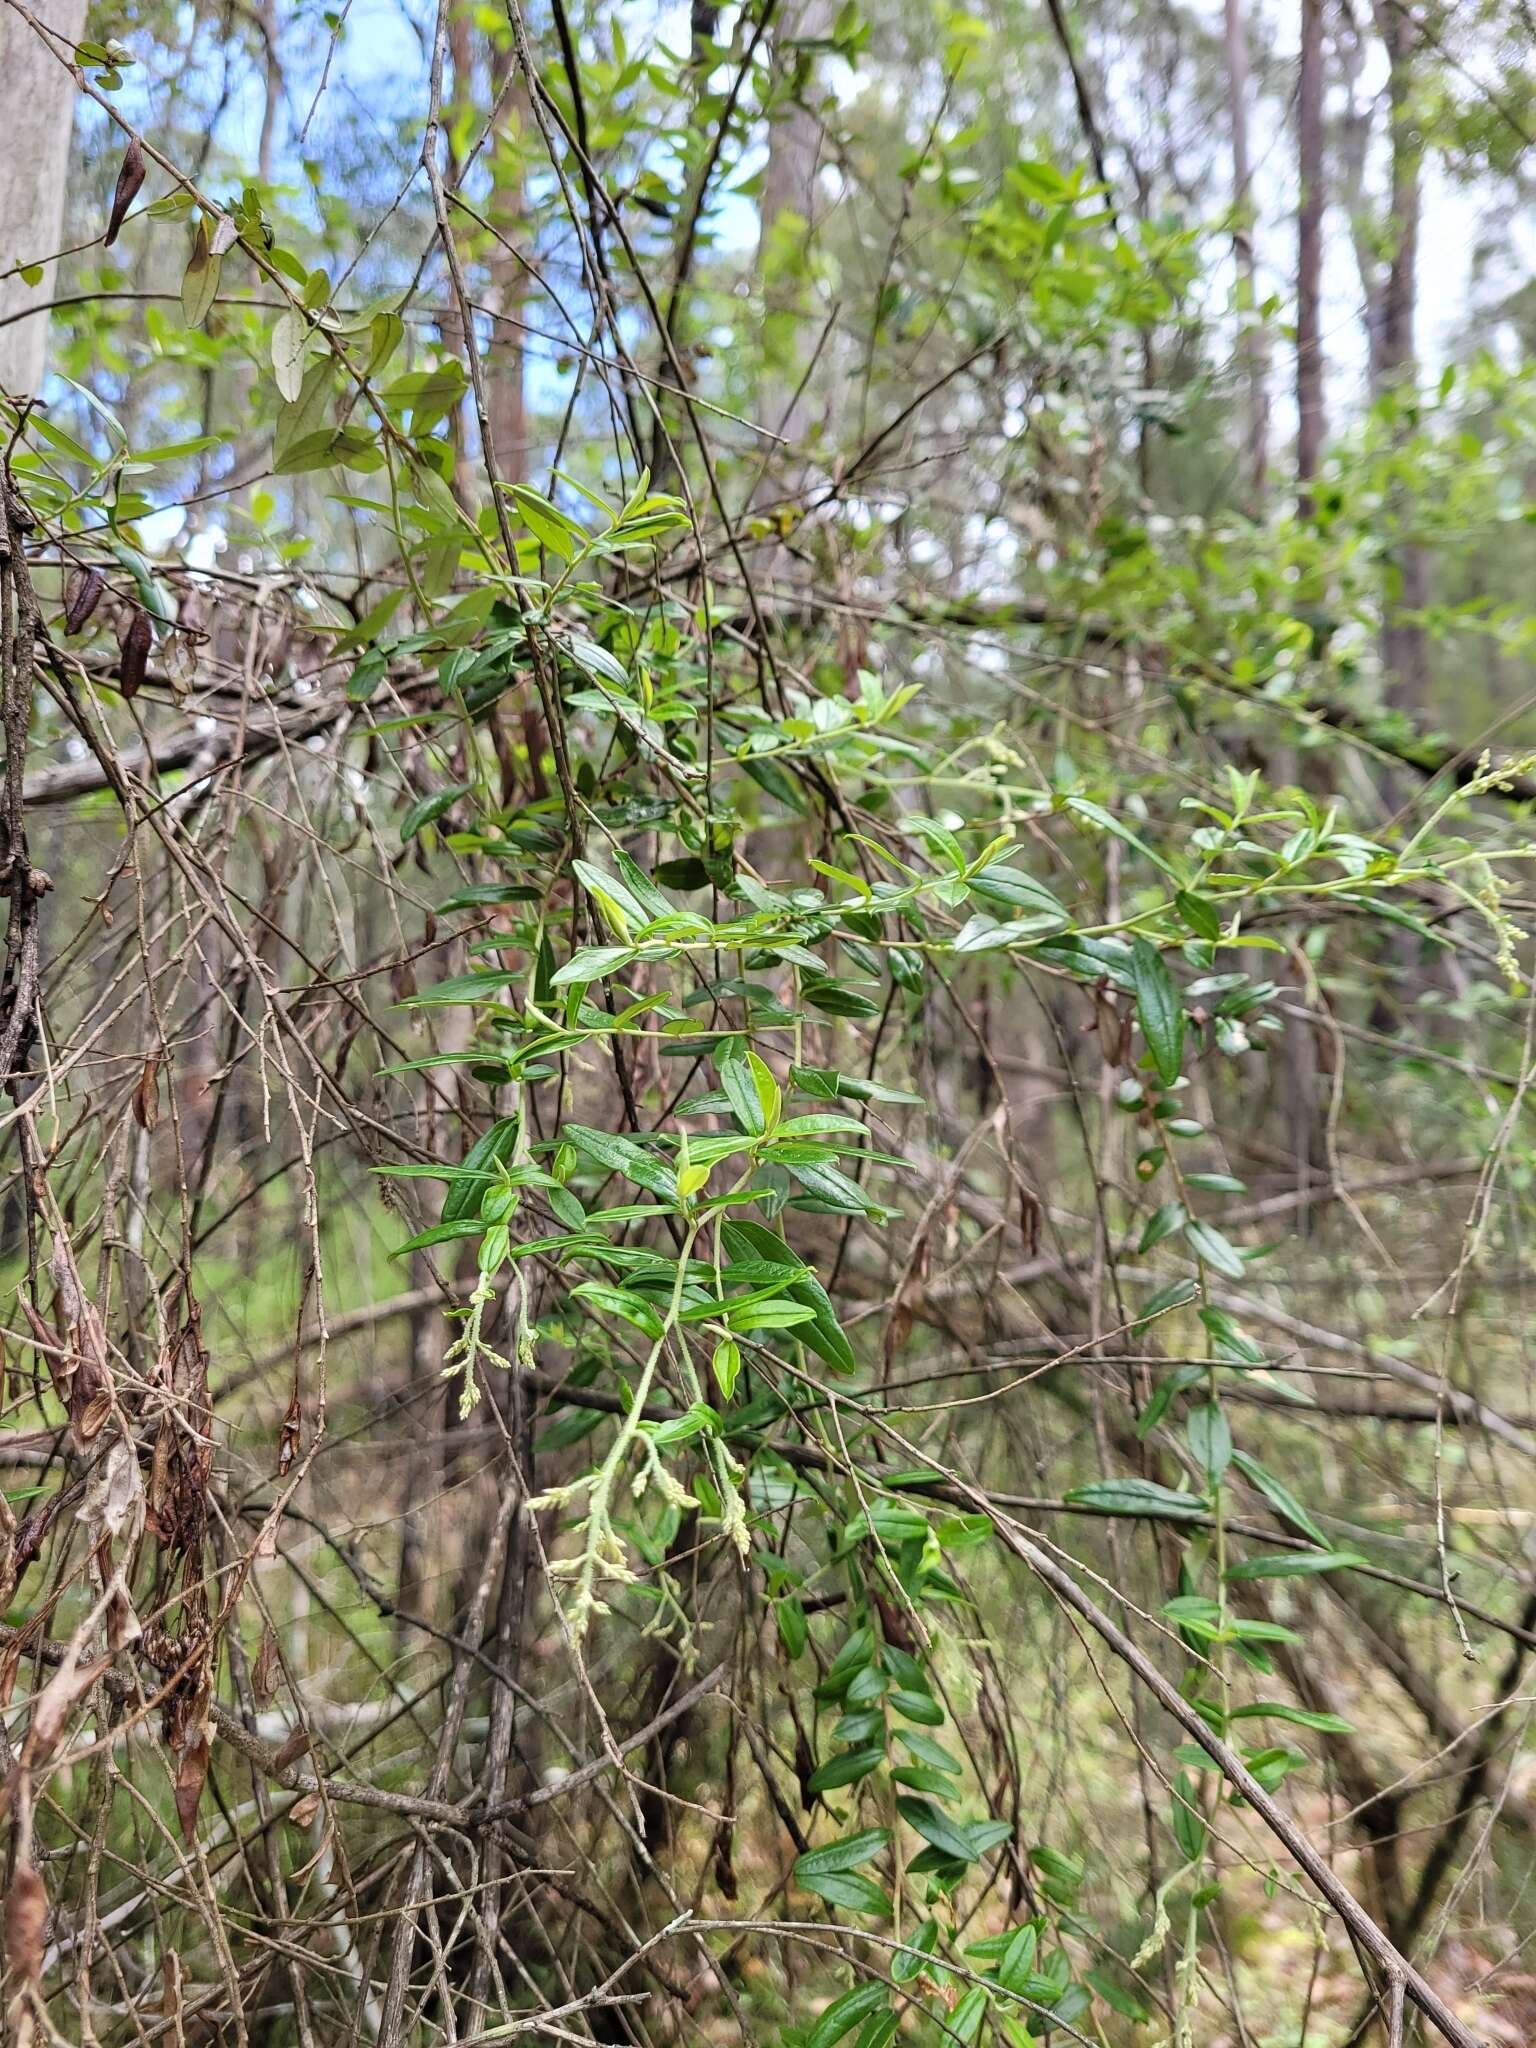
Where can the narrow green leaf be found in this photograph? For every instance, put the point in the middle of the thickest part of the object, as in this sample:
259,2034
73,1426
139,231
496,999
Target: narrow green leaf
428,809
845,2013
1159,1010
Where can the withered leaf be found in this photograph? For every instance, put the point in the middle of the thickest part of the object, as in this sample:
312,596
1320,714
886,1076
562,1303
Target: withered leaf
183,1454
93,1414
10,1664
79,1368
133,646
82,594
170,1979
1031,1218
303,1811
200,280
293,1747
51,1708
191,1775
288,1443
266,1673
146,1097
129,179
26,1921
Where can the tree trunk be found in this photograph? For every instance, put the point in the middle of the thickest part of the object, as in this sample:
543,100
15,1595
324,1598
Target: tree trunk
788,197
1255,351
1309,250
505,376
37,98
1405,650
1298,1075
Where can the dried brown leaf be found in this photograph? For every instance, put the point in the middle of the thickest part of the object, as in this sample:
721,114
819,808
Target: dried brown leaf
146,1096
129,178
191,1776
288,1443
52,1706
82,594
266,1673
293,1747
26,1924
133,646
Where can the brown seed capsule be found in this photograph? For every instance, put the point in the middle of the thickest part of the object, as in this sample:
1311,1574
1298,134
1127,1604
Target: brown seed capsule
133,649
129,179
82,594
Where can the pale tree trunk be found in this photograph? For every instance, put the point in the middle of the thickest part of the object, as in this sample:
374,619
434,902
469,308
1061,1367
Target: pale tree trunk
507,396
1298,1069
1400,290
789,203
1405,649
506,211
37,101
787,217
1255,351
1309,250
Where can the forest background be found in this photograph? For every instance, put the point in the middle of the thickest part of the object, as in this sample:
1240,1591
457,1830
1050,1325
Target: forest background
767,1022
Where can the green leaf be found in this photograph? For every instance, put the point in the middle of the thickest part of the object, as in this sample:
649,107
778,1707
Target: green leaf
846,1854
965,2021
1159,1010
906,1964
726,1366
1163,1223
1210,1439
852,1890
591,963
303,417
428,809
769,1315
826,1084
1280,1498
918,1706
951,1837
1174,1295
290,336
1296,1564
1137,1497
1301,1717
1115,1996
1018,1960
1218,1252
928,1751
548,524
623,1155
1095,814
618,1301
465,1195
823,1335
740,1085
847,1769
200,279
1188,1827
439,1233
1016,891
789,1618
845,2013
1202,918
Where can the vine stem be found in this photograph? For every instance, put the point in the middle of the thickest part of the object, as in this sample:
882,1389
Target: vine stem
1395,1968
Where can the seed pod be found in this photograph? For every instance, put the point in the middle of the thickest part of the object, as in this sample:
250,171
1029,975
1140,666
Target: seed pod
133,647
82,594
129,179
